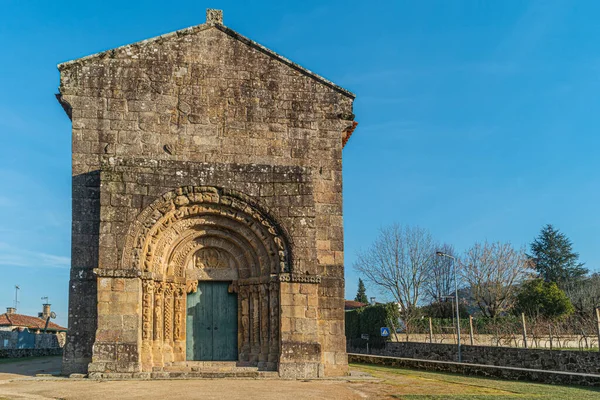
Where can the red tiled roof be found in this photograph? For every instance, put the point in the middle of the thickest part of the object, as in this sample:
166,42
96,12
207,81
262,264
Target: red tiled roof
19,320
352,305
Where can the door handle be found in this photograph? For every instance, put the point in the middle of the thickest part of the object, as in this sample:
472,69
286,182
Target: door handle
208,329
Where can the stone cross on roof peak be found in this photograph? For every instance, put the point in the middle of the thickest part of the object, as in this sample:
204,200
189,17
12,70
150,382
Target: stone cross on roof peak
214,17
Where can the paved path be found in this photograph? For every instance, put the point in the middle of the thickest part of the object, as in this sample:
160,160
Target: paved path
17,382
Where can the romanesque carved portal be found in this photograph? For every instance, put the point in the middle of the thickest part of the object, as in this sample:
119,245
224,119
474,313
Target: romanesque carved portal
205,233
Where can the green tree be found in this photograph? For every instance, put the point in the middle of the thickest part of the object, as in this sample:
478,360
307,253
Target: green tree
537,298
553,257
361,294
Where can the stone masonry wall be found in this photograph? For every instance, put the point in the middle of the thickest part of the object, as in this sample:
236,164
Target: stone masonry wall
554,360
193,103
20,353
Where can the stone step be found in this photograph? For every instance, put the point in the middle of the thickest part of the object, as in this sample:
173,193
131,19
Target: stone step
205,368
206,364
209,367
215,374
184,375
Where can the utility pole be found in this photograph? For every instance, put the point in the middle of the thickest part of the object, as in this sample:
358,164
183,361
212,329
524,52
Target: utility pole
454,262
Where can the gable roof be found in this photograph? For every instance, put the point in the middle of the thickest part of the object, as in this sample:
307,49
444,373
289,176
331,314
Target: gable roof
353,305
224,29
20,320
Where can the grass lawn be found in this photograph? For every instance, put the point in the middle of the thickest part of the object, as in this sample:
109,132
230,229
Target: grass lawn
412,384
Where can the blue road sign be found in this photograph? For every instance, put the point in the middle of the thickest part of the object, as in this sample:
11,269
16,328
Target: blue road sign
385,331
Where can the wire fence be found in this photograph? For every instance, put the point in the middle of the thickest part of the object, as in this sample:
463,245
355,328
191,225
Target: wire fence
573,333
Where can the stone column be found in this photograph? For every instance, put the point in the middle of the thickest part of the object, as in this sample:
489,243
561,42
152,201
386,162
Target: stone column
157,348
168,324
254,324
264,325
273,357
179,324
147,308
244,299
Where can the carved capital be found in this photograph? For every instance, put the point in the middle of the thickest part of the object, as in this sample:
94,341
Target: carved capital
160,287
233,287
180,291
191,286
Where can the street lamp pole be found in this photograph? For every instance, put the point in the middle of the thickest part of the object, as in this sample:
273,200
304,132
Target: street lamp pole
441,254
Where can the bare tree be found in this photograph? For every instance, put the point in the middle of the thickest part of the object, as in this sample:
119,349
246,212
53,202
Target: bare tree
398,264
441,280
584,294
492,271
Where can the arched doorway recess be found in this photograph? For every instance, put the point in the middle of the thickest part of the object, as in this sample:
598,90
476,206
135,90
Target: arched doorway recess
202,234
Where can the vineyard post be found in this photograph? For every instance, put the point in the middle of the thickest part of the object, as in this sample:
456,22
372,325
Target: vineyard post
598,325
430,331
524,330
471,328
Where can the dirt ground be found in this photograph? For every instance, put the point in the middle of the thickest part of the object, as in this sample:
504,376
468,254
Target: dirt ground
17,381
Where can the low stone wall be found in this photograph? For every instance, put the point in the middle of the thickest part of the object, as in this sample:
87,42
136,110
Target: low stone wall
509,373
555,360
540,342
19,353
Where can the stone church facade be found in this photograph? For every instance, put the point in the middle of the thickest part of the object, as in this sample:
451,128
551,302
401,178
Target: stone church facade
207,208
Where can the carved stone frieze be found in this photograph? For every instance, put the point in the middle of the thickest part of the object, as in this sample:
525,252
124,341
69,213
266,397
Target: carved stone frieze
296,278
210,258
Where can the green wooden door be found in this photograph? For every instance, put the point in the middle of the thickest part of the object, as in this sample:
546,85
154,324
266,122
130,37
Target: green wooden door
212,323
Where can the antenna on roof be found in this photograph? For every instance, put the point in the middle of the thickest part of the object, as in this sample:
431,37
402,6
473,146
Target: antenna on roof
17,288
46,299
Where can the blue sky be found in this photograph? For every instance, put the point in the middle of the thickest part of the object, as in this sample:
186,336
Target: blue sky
477,120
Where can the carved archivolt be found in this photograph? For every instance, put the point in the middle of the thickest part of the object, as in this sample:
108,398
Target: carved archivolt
159,228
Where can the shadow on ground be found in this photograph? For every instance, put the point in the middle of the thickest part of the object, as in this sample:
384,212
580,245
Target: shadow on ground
30,366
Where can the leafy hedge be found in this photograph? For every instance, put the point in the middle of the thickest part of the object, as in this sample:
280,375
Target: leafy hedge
369,320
